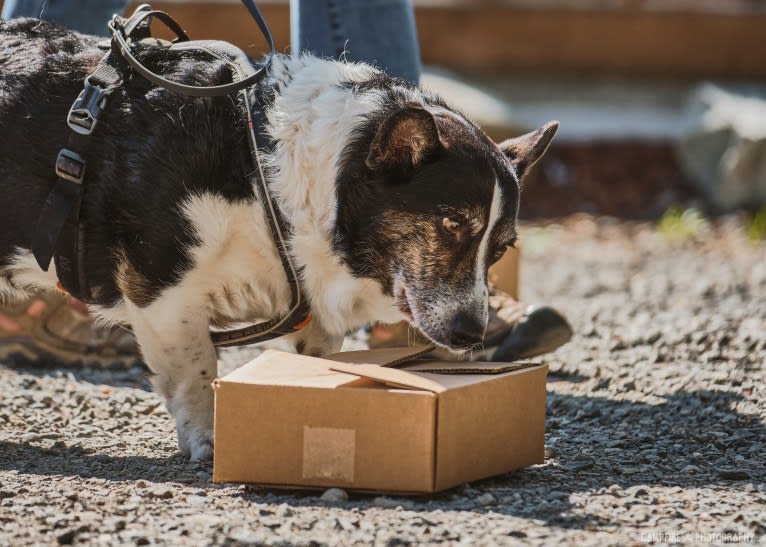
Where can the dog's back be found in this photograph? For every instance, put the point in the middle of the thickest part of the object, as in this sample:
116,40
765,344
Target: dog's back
150,151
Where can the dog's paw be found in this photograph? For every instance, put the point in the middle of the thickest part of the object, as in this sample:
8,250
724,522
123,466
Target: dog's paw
196,443
198,447
202,450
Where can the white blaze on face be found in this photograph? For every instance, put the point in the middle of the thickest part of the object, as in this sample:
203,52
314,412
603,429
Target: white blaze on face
495,212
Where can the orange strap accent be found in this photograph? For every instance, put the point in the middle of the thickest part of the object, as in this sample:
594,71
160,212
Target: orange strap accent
60,288
306,321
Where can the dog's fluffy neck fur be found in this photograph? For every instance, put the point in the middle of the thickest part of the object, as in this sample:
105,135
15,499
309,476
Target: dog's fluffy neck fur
315,106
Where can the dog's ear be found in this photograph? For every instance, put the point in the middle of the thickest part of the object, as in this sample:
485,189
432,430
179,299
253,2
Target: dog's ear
404,140
525,150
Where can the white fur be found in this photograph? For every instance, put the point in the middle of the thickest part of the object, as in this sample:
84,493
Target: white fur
307,116
495,212
26,274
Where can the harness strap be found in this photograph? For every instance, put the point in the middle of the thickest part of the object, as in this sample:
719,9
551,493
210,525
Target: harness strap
299,314
121,34
59,232
253,122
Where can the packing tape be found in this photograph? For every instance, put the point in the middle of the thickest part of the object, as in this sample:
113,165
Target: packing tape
329,453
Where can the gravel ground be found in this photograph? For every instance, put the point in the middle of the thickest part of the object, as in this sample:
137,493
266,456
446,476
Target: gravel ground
656,429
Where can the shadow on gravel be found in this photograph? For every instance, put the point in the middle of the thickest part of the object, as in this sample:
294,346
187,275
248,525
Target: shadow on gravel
601,447
692,440
76,461
134,377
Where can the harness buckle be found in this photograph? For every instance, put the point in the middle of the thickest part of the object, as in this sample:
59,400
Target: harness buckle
86,109
70,166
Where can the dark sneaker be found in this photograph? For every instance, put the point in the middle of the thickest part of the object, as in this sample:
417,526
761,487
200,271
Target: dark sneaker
52,330
540,330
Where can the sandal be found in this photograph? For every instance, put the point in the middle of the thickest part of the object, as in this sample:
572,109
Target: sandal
50,329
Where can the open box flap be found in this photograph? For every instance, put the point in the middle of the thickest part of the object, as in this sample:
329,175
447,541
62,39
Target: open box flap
278,368
433,376
467,367
385,357
393,377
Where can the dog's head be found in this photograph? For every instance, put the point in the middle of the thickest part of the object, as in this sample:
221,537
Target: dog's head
431,207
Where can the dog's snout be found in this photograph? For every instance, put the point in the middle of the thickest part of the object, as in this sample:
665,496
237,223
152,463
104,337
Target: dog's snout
465,331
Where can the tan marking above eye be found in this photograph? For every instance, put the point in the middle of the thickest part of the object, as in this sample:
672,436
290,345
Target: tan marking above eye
452,226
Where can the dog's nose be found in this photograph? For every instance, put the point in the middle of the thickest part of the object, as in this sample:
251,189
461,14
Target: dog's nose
465,331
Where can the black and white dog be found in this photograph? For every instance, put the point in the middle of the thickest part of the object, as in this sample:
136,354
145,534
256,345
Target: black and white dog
397,204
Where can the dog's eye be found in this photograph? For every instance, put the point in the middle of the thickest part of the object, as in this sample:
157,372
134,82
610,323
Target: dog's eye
498,254
500,251
452,226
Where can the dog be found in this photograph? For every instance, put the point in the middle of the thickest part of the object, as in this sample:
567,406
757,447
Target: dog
397,204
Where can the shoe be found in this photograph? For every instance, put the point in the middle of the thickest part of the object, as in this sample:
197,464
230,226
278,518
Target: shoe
52,330
513,332
540,330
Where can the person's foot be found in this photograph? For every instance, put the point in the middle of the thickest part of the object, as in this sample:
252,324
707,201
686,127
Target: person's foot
50,330
513,331
540,330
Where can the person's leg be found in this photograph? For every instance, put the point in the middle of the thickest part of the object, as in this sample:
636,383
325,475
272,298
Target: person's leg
86,16
379,32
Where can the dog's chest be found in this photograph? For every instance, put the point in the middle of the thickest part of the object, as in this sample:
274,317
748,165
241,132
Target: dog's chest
237,270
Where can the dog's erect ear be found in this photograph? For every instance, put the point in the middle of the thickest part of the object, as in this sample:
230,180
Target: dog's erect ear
524,151
404,139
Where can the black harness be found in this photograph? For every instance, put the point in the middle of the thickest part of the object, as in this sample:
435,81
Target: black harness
60,235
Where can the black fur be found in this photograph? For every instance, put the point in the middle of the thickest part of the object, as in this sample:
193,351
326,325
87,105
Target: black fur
455,179
150,149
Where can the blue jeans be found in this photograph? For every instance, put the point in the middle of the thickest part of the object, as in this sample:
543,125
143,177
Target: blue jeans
379,32
87,16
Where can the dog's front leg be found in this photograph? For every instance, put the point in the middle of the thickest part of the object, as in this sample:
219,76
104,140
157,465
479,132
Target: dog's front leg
314,340
178,349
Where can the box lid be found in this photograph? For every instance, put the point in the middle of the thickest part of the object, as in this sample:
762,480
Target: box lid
385,357
278,368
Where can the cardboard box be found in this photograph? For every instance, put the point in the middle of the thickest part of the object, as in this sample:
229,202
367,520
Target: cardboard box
504,274
378,420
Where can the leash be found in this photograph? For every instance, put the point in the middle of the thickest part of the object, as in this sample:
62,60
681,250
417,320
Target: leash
60,234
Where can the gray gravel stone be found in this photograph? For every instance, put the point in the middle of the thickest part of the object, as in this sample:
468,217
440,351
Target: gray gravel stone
161,492
334,495
487,499
663,438
734,474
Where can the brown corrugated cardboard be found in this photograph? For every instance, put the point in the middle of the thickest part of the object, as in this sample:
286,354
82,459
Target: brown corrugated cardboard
357,422
504,274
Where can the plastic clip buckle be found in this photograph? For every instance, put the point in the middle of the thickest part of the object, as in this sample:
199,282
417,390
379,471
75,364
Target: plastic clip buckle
86,109
70,166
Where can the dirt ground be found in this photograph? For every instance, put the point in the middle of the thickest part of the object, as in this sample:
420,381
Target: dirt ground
656,429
